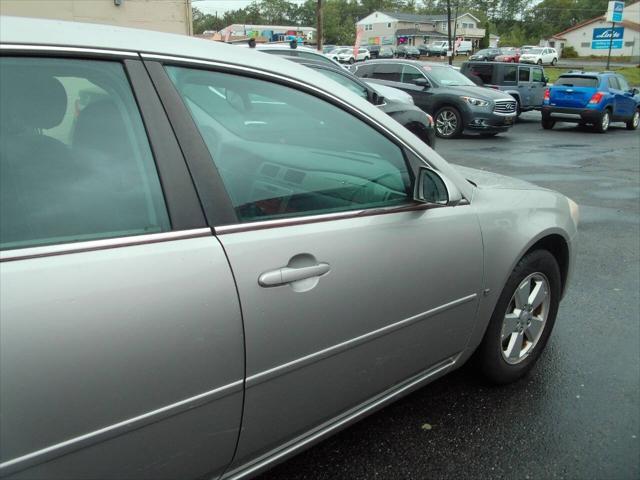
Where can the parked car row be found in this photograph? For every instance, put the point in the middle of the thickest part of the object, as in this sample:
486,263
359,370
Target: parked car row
537,55
219,258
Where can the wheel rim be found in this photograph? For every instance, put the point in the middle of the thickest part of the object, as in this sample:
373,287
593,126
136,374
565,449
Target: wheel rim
525,318
446,123
605,121
636,119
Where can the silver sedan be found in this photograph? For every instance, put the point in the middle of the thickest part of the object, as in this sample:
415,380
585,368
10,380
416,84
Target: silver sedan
213,258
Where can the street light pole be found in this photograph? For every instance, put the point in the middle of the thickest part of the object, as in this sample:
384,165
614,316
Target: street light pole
449,31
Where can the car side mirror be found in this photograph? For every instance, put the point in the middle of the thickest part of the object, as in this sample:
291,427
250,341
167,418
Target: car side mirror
376,98
431,188
421,82
634,91
545,80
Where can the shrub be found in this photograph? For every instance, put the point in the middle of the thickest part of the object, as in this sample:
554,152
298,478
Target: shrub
569,52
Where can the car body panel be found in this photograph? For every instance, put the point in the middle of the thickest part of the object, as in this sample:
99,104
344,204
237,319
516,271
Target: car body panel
108,345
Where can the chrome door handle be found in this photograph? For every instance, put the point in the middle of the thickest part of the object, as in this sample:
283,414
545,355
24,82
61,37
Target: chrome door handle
285,275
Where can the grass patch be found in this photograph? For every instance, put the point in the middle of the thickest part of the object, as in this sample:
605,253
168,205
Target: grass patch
632,74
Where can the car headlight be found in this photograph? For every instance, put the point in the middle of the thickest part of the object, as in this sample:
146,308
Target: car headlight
574,210
476,102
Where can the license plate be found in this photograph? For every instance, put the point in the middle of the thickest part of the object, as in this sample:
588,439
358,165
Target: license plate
508,121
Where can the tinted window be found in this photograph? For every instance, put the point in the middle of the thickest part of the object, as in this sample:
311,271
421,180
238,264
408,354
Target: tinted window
613,83
282,152
410,74
364,71
75,163
523,74
344,81
317,58
536,75
509,74
482,71
388,71
577,81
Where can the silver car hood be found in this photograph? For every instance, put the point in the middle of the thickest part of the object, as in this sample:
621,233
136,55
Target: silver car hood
483,179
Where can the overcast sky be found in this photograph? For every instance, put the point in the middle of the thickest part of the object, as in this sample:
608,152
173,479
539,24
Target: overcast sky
221,6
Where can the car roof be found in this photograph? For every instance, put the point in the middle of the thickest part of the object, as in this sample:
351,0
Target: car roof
417,63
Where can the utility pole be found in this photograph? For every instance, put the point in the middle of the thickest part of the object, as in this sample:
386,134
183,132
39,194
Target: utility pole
449,31
455,29
613,26
319,33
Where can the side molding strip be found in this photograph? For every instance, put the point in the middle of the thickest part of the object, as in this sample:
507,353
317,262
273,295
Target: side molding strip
265,375
117,429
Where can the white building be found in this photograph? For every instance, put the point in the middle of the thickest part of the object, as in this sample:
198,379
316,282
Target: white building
171,16
395,28
592,37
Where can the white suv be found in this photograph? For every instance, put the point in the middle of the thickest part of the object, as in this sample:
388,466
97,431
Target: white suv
345,55
540,55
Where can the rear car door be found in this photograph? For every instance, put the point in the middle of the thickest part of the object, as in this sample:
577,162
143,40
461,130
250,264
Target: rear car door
121,347
627,97
537,87
524,84
347,286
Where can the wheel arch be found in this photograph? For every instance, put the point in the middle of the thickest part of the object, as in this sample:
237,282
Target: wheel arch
557,245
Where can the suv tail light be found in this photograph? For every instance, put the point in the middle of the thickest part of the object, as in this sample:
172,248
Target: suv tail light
547,94
596,98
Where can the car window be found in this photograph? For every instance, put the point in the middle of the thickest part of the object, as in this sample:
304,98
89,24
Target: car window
613,83
483,71
509,74
317,58
410,74
364,71
623,84
75,162
345,81
388,71
290,153
523,74
577,81
536,75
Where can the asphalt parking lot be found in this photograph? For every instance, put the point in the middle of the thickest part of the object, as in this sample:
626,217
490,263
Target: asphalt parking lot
577,415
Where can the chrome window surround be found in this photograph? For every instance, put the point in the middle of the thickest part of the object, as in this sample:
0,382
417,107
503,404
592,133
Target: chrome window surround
10,47
102,244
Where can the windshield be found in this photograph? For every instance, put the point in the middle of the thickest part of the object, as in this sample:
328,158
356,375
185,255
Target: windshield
535,51
448,76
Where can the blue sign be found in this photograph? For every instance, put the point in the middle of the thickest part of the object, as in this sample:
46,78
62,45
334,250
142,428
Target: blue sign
602,38
616,14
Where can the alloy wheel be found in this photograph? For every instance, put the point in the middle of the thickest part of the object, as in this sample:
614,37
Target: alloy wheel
525,318
636,119
605,121
446,123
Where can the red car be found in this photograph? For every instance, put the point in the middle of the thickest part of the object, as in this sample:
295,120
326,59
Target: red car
509,54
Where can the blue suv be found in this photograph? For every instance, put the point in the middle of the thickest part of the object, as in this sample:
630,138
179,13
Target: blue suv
596,98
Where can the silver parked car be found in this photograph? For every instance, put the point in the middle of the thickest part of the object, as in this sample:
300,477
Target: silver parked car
212,258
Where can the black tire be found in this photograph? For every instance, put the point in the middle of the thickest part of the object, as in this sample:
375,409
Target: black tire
489,357
518,108
553,62
440,114
539,62
547,123
602,125
632,123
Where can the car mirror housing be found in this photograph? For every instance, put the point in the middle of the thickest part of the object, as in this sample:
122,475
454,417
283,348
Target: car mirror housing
421,82
432,188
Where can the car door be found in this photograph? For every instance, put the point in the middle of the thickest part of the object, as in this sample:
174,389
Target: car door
537,87
524,84
347,286
422,96
627,97
624,104
121,345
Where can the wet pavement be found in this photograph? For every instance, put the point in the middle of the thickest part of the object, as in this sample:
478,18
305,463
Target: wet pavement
577,415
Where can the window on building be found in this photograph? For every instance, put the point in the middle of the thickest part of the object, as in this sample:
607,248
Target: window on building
629,44
585,44
389,25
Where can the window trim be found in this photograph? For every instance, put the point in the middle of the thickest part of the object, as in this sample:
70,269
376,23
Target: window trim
155,65
180,196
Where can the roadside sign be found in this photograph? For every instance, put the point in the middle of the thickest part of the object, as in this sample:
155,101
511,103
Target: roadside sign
602,38
615,12
356,47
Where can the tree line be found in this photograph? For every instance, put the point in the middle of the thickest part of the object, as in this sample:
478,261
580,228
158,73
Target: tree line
517,22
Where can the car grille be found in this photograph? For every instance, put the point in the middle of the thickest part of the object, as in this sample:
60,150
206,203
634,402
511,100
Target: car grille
505,106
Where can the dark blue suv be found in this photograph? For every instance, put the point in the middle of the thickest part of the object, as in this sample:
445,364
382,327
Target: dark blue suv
596,98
